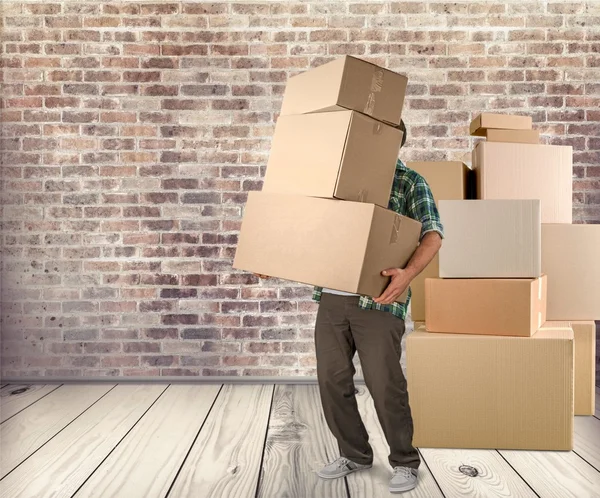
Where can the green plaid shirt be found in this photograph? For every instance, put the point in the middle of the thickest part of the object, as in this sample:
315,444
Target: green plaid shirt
412,197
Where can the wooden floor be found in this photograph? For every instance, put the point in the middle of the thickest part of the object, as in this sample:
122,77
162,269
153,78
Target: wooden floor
241,441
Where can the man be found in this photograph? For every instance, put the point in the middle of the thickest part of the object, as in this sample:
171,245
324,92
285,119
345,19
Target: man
374,327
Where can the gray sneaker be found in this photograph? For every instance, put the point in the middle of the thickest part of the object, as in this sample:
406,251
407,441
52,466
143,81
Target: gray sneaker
341,467
403,479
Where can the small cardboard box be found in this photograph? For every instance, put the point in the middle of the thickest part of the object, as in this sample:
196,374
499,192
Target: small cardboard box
485,306
584,334
347,83
448,180
514,136
527,171
488,120
344,155
491,239
340,245
571,259
487,392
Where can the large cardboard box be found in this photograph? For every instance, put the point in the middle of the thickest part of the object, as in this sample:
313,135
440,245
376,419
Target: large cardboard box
341,245
504,307
447,180
515,136
585,367
571,259
584,335
490,239
527,171
490,392
347,83
488,120
345,155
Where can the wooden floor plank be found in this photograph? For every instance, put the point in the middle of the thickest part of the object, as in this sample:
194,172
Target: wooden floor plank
67,460
587,440
19,397
453,471
146,462
555,474
28,430
298,444
225,459
375,482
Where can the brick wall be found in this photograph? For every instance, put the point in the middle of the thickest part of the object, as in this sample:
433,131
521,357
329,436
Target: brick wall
132,132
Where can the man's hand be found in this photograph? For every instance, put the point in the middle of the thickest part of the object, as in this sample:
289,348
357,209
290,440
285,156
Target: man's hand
400,281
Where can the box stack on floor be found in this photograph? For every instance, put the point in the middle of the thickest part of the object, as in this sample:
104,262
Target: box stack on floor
487,370
321,217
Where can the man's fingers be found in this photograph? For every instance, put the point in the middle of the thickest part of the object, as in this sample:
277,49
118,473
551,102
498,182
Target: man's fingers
387,294
388,272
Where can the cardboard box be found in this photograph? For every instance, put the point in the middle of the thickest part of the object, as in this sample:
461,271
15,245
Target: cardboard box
488,120
347,83
515,136
584,334
570,258
491,239
447,180
527,171
504,307
343,154
336,244
585,367
490,392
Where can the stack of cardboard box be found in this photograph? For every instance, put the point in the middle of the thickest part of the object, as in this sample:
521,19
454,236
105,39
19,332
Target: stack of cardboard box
322,215
486,370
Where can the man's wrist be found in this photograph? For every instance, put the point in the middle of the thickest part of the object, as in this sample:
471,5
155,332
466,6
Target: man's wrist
411,272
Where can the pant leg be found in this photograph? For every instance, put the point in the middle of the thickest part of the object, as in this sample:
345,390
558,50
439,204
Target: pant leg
334,350
378,335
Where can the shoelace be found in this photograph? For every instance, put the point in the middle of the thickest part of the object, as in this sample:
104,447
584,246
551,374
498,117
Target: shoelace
405,471
340,462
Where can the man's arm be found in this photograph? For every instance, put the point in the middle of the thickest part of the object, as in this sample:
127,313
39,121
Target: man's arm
421,207
401,278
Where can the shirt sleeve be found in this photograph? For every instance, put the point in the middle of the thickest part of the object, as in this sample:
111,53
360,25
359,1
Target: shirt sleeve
421,207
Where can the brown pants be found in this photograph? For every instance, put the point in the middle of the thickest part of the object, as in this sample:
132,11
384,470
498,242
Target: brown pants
343,328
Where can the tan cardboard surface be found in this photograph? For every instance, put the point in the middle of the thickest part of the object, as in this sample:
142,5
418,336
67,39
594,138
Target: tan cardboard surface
585,367
487,120
503,307
347,82
584,334
341,245
491,392
570,258
447,180
490,239
342,154
527,171
515,136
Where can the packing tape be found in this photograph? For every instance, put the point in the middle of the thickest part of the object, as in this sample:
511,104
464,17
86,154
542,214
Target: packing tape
362,195
376,87
395,229
377,127
377,80
370,105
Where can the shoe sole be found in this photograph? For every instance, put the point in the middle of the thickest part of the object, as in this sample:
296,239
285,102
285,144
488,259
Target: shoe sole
402,490
343,474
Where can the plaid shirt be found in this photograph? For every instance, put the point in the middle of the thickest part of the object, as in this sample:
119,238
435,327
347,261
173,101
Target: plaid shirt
412,197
